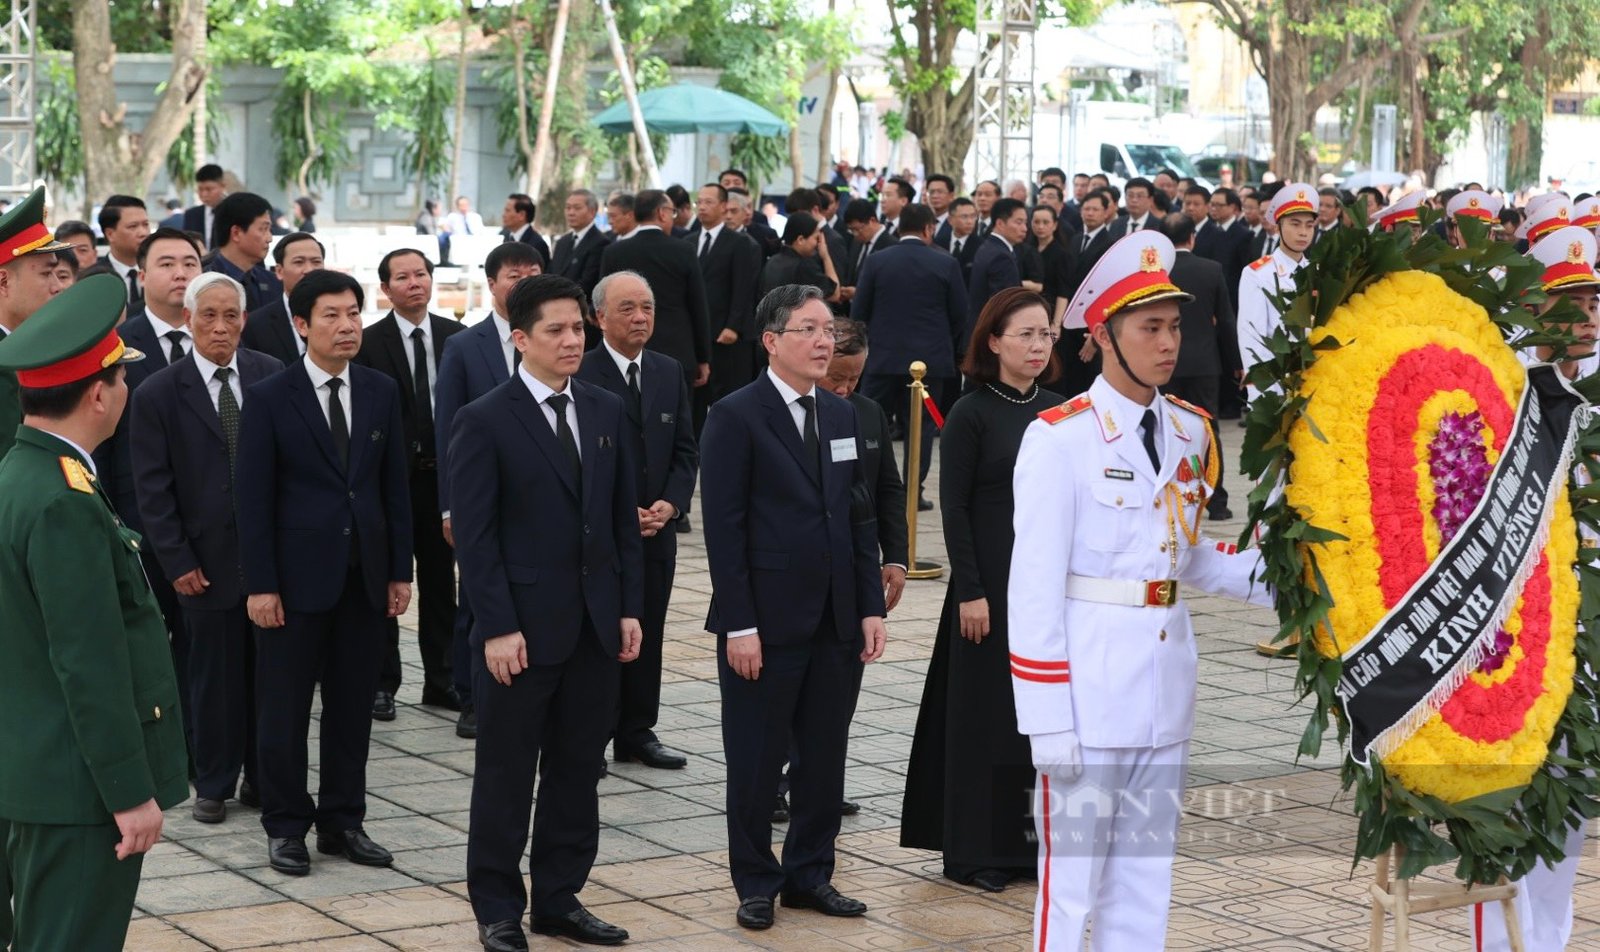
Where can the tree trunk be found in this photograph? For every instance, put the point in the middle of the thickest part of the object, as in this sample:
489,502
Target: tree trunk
631,93
1288,63
547,108
796,160
825,134
459,139
519,78
567,166
313,150
118,160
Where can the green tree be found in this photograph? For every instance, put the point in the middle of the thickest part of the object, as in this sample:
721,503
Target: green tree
429,91
58,143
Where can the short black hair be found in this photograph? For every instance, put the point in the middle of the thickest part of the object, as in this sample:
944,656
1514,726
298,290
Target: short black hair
679,195
949,182
648,203
915,218
827,196
307,207
238,210
525,304
1114,192
800,200
722,193
1079,175
799,226
280,250
849,337
1141,182
1170,173
739,172
68,259
1043,208
1178,227
318,284
58,402
1052,170
622,200
111,210
1229,197
1375,192
510,252
1200,190
1329,190
1004,208
210,172
524,205
1052,187
860,209
167,234
73,227
907,192
1101,195
961,200
384,269
1159,199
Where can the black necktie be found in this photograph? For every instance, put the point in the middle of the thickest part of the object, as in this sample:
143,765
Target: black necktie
1148,425
133,284
337,423
228,413
174,345
813,453
955,247
424,394
1086,240
705,245
633,388
569,442
861,259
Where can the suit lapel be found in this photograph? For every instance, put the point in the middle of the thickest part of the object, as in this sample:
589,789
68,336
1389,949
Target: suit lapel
493,354
283,329
198,397
614,377
782,423
389,333
532,418
588,407
305,401
363,422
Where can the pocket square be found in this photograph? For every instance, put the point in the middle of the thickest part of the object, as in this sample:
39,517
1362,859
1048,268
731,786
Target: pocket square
377,435
605,442
666,418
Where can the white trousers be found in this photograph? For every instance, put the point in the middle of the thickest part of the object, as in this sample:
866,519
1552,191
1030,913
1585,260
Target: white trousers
1543,903
1106,842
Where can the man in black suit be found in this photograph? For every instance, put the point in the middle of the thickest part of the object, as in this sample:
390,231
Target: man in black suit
475,362
797,605
867,236
516,224
964,238
729,263
1141,211
125,222
1227,238
547,525
269,328
748,219
1071,210
243,227
994,266
897,195
1209,352
914,305
937,193
209,188
577,253
325,540
185,435
1253,221
666,462
1079,359
407,346
682,322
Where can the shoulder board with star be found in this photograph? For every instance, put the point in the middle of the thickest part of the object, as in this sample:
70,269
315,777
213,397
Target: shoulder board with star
1187,405
1261,262
1066,410
77,476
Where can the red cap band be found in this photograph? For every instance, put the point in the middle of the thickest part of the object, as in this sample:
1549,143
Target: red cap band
25,241
1568,273
87,364
1131,289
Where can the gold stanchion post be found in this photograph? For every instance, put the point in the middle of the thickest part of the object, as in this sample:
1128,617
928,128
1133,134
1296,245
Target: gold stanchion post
919,393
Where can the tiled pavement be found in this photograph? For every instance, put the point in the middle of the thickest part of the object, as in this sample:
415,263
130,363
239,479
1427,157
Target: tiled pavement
1264,863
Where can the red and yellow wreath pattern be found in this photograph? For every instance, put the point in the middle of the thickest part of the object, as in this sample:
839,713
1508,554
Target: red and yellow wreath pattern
1413,353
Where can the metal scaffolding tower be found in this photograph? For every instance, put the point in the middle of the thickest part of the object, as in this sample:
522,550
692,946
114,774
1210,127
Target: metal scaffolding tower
18,71
1003,104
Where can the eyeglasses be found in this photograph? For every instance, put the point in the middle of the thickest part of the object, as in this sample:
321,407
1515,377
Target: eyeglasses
811,331
1029,338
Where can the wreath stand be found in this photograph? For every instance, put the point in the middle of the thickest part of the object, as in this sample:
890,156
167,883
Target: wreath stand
1401,898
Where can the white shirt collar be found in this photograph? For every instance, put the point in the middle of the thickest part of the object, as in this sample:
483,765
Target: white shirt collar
162,328
788,393
1009,246
644,228
582,233
320,377
1091,234
503,326
713,232
621,361
541,392
88,457
942,219
209,369
120,268
406,327
1127,412
1227,224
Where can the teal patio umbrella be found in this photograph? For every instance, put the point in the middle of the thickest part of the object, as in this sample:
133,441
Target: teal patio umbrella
689,108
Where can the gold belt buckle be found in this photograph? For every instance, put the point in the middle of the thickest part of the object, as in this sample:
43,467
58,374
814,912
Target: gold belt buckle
1162,593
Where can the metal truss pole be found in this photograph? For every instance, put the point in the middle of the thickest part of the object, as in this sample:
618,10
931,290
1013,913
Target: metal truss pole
18,74
1004,101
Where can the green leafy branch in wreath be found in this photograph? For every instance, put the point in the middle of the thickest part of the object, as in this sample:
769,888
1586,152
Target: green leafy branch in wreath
1500,834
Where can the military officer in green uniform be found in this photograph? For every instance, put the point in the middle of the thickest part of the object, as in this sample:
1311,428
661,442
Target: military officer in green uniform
28,278
93,748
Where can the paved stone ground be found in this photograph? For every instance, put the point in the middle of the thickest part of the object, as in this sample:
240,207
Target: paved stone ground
1264,865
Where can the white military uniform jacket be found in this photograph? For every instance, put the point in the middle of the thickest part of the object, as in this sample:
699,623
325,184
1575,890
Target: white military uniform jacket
1258,317
1089,504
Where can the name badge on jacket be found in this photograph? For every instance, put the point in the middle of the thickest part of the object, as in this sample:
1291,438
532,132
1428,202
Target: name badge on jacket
843,450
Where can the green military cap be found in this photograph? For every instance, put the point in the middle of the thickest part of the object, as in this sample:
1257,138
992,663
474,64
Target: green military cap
73,337
22,230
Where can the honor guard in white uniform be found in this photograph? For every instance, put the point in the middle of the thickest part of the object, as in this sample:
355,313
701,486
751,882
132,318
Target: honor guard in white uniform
1294,208
1586,214
1402,211
1471,203
1544,214
1110,490
1544,899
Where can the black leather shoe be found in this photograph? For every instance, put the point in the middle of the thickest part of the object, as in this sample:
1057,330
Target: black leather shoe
581,925
605,768
207,810
824,899
755,913
467,724
849,808
684,525
504,936
445,699
248,797
780,810
287,855
990,880
354,845
1219,513
383,706
653,754
923,505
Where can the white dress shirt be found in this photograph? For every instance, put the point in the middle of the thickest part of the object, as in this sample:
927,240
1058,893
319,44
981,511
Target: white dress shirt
700,240
208,373
294,332
162,329
504,327
88,458
543,393
623,362
957,242
122,271
211,220
319,382
406,327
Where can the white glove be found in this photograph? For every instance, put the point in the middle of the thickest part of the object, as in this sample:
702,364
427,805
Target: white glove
1057,754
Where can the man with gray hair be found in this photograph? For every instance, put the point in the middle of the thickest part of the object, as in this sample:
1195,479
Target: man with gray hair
797,604
184,435
658,421
577,253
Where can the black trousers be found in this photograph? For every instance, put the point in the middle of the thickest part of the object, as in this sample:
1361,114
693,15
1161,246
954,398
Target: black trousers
639,701
436,594
889,392
178,632
462,654
732,366
564,712
222,696
805,696
342,649
1203,391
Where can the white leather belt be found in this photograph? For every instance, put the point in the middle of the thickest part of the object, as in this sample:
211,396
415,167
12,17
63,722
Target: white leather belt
1152,593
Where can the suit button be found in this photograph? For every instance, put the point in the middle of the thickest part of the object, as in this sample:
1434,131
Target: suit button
1163,634
346,530
1163,547
585,570
1158,504
224,487
157,712
352,494
585,530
